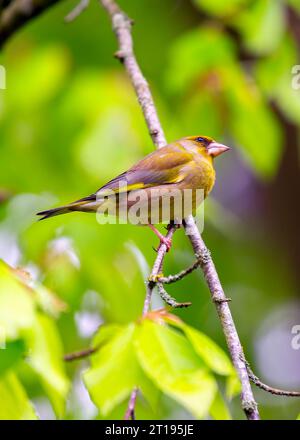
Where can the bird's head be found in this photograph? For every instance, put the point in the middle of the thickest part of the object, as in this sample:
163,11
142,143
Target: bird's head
208,146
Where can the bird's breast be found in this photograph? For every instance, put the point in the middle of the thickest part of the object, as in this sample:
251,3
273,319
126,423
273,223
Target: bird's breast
200,175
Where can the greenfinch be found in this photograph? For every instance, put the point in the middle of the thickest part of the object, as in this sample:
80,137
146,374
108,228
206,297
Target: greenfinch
184,166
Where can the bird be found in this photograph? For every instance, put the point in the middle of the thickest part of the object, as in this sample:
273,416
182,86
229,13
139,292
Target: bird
183,166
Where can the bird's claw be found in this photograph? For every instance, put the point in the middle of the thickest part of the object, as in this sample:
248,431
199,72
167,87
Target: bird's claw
167,242
155,278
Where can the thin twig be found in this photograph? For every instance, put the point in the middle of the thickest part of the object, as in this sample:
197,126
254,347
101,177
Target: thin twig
130,412
156,270
18,13
79,354
183,273
79,8
5,195
249,404
122,28
268,388
169,300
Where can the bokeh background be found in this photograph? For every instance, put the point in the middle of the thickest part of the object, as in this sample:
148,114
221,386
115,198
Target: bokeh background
69,121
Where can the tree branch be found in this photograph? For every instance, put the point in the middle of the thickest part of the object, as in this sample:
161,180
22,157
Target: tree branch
122,28
79,8
80,354
156,271
178,276
267,388
18,13
4,195
221,302
169,300
130,412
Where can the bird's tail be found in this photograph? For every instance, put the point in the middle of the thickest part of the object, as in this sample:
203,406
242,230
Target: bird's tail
53,212
87,204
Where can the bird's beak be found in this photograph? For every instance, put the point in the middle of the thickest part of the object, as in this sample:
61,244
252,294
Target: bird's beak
215,149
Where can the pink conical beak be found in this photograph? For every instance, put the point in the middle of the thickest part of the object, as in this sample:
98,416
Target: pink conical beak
215,149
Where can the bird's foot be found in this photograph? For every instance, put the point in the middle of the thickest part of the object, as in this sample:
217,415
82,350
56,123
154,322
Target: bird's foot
163,240
166,241
155,278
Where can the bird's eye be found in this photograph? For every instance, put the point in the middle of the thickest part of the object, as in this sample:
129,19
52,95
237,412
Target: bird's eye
201,140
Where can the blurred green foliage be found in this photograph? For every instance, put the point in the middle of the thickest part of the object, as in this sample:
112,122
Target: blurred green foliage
29,333
69,121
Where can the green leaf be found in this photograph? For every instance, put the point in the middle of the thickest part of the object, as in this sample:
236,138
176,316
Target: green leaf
46,359
14,403
262,146
219,409
127,279
43,73
204,65
214,357
17,306
106,100
170,361
48,302
262,25
276,79
104,335
209,351
221,8
19,318
194,55
10,354
203,113
114,370
269,72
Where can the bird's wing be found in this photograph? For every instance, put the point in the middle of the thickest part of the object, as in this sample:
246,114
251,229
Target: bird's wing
161,167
